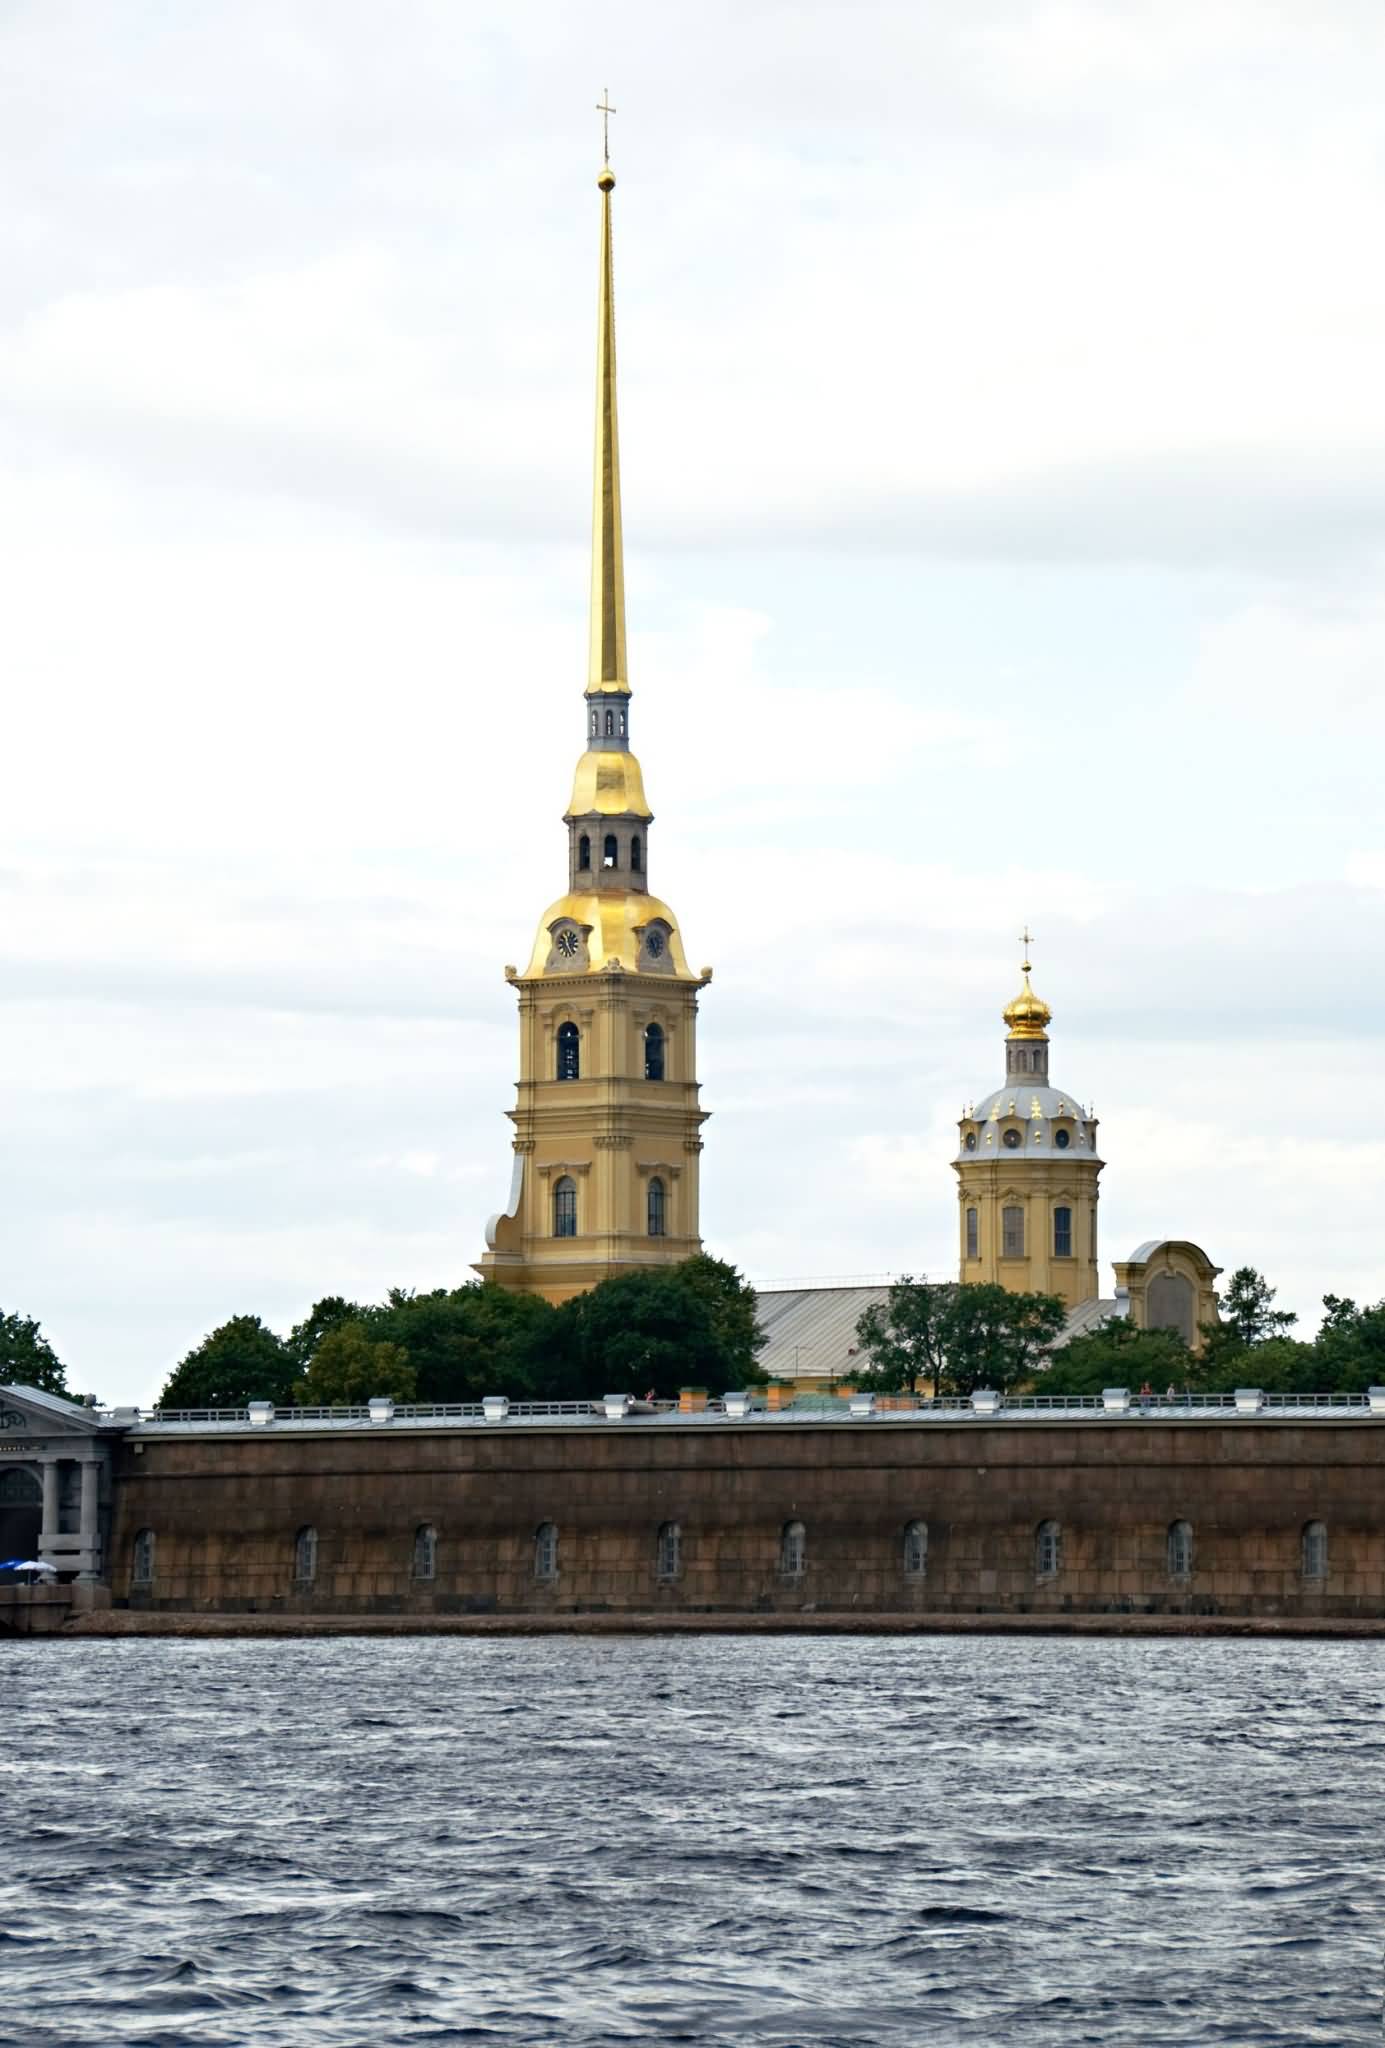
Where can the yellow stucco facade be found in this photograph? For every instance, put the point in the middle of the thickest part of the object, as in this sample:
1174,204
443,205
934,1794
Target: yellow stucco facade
607,1118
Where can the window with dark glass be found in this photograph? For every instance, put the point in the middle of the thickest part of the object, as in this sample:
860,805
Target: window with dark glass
610,852
656,1207
1048,1550
546,1551
654,1052
305,1556
1062,1140
610,724
915,1549
584,852
142,1567
973,1235
569,1052
793,1550
636,853
1012,1233
1180,1550
1315,1550
1011,1140
425,1551
565,1207
668,1551
1062,1233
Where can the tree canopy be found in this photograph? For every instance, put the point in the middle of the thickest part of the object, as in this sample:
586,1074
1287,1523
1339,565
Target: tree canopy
656,1331
1247,1313
1117,1354
350,1366
957,1337
27,1359
239,1361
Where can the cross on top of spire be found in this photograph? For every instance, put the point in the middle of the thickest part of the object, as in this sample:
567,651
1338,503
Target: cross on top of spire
1026,940
605,109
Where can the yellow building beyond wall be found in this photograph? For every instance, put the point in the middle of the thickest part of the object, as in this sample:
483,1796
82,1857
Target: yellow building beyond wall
607,1121
1027,1173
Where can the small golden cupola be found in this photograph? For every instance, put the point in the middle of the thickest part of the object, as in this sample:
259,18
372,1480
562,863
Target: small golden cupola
1027,1016
607,1120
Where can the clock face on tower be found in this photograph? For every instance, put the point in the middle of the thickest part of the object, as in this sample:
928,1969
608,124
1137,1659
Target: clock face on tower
567,943
655,943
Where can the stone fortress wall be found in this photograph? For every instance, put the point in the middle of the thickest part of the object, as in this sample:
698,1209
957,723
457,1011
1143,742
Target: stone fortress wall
1226,1515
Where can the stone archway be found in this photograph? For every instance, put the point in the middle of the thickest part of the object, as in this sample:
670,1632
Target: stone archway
21,1510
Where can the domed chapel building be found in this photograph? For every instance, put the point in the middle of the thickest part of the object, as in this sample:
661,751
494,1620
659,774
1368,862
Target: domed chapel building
1028,1172
607,1118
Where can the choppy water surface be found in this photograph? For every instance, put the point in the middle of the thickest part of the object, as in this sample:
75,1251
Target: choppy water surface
719,1841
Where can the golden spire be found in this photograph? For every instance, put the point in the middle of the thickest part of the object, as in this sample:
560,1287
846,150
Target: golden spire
607,676
1028,1016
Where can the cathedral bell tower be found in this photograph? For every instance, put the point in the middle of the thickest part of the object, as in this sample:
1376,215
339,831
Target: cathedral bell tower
1027,1172
607,1122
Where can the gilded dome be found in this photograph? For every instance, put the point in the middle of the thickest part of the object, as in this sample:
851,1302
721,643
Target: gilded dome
1028,1016
617,929
607,785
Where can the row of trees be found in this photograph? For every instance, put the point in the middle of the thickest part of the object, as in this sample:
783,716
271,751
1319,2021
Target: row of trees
694,1324
958,1338
689,1324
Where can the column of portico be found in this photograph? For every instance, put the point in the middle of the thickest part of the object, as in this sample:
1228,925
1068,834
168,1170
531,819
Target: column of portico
89,1527
48,1524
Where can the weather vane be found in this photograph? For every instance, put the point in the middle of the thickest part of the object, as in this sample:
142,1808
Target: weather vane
605,109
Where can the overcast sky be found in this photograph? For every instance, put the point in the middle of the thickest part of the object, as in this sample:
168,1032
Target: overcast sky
1003,427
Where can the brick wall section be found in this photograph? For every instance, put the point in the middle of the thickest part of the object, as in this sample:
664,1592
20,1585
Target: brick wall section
225,1509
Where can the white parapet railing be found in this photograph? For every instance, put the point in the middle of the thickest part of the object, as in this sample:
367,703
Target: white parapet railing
985,1405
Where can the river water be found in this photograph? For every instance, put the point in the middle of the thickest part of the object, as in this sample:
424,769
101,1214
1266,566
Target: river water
717,1840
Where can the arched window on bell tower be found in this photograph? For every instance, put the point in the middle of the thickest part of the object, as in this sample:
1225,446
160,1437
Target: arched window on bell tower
584,852
610,725
565,1207
610,851
654,1052
569,1066
636,853
657,1210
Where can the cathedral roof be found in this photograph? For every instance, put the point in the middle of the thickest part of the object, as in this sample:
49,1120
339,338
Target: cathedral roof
1042,1110
608,785
614,921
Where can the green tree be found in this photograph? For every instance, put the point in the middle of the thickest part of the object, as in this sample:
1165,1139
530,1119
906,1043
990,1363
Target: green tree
350,1366
1118,1354
904,1337
645,1331
958,1337
996,1339
1246,1311
1351,1346
465,1342
331,1313
239,1361
731,1301
27,1359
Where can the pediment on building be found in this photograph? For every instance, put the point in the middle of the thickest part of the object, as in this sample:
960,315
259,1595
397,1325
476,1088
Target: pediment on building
28,1411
